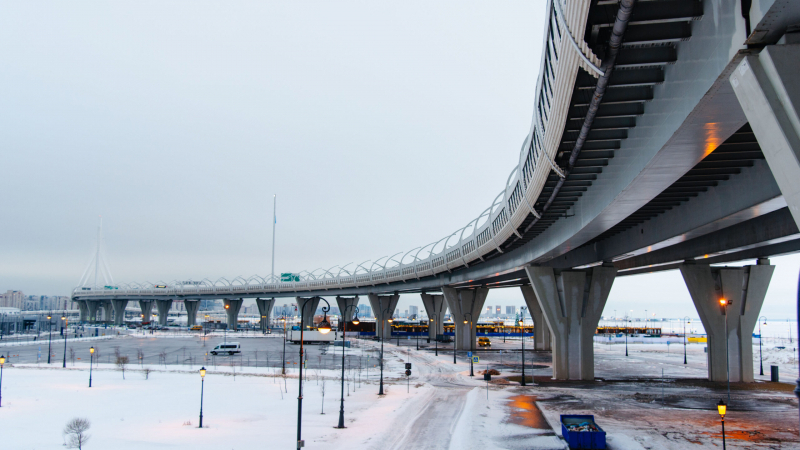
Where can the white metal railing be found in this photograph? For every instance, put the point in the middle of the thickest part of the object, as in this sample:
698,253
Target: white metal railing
561,56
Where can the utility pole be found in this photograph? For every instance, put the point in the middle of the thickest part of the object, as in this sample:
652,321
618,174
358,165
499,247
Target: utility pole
97,253
274,222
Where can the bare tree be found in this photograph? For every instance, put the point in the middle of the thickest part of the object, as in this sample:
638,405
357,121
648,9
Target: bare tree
322,388
162,358
96,357
121,362
146,371
140,356
72,355
75,433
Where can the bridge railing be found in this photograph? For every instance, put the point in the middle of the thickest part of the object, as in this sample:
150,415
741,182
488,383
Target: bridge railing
564,50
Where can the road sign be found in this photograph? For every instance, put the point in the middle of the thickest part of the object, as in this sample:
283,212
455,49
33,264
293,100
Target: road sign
408,373
469,354
408,366
290,278
476,360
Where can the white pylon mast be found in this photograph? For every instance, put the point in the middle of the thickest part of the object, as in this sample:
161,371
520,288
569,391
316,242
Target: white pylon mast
274,221
97,254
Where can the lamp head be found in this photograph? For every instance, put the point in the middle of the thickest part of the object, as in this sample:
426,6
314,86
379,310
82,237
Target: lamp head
91,350
390,320
202,372
227,306
356,321
49,317
722,408
63,317
2,360
324,327
465,321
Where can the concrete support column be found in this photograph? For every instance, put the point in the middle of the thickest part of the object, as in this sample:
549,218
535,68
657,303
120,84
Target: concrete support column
768,90
232,308
436,308
191,312
541,332
147,309
83,306
465,304
307,312
163,311
347,307
383,307
572,303
745,287
107,310
92,307
264,311
119,311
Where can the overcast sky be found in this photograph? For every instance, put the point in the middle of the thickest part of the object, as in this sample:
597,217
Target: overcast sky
380,126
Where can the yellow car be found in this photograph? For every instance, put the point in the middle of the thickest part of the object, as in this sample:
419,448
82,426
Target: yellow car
196,328
484,342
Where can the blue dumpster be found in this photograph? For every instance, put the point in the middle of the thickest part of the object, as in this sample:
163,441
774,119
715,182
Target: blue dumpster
581,432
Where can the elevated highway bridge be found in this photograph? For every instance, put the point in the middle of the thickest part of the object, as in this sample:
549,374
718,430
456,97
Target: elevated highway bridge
665,136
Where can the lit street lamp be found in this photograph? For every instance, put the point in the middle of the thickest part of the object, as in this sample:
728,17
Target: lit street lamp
263,320
725,303
760,339
202,386
66,331
205,331
522,337
91,360
722,409
383,329
2,363
324,327
50,338
471,342
685,321
344,340
431,320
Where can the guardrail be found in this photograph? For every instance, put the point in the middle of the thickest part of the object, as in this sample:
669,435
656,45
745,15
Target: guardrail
561,56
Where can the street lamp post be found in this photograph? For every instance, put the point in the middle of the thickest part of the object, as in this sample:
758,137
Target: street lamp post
685,320
225,330
344,331
626,336
283,369
435,336
760,339
522,338
50,338
383,329
722,409
324,327
205,330
202,386
725,303
2,363
91,360
66,331
471,342
264,319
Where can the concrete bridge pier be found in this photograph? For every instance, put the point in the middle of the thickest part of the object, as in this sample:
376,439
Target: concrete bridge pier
119,311
572,303
83,307
541,332
264,311
465,305
107,310
767,89
745,287
436,308
347,305
92,306
163,311
232,308
307,312
383,307
191,312
147,310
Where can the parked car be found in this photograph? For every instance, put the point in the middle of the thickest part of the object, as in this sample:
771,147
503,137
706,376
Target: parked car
196,328
229,348
484,342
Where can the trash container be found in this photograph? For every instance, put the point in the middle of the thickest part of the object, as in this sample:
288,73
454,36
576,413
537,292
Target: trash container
774,373
581,432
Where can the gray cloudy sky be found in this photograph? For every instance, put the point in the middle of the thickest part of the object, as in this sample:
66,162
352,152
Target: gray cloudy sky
380,126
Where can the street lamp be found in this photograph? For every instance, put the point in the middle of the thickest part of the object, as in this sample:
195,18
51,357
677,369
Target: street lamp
383,329
344,331
685,321
283,370
324,327
435,336
66,331
91,360
626,335
522,337
725,303
50,338
471,342
205,330
202,386
225,330
2,363
263,320
722,409
760,339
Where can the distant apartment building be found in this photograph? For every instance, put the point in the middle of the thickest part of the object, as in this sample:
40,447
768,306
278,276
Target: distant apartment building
13,299
497,310
511,310
488,310
365,311
413,311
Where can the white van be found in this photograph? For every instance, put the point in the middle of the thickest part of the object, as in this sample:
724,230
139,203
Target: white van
229,348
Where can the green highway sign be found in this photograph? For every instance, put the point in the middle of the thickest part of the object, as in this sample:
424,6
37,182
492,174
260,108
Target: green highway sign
290,278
